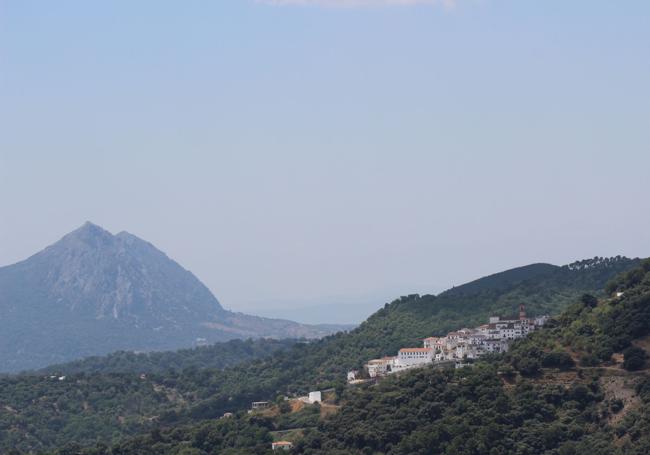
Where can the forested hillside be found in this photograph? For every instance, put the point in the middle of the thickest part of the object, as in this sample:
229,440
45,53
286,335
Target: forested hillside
215,357
185,397
580,385
106,398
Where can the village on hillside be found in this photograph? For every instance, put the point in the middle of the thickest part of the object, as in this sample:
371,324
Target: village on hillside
454,348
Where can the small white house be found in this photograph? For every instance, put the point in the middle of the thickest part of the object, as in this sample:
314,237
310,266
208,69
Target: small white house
260,405
315,397
281,445
380,367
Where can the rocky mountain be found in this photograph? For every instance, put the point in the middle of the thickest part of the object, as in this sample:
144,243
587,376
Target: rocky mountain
93,292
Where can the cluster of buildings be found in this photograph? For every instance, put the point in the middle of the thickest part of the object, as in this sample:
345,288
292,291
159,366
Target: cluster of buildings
493,337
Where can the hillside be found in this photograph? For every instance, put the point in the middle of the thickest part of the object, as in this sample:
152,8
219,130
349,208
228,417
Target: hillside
214,357
92,293
580,385
191,396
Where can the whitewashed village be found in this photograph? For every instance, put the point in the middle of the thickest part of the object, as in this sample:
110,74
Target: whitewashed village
455,348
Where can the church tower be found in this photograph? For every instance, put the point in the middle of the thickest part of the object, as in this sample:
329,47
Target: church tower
522,312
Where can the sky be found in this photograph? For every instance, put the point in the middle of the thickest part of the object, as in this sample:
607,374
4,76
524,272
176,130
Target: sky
314,159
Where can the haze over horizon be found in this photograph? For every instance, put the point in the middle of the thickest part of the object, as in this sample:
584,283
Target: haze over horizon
292,154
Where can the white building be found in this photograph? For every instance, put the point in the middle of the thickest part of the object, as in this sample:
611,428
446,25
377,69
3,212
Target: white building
260,405
467,351
495,345
476,339
380,367
439,356
408,357
540,320
431,342
315,397
281,445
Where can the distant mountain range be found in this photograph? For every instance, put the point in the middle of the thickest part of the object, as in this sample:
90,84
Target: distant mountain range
93,293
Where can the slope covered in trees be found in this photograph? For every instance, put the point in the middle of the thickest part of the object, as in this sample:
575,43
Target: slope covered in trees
106,398
195,395
216,356
533,400
537,399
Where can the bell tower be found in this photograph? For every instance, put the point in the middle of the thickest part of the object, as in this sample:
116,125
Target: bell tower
522,312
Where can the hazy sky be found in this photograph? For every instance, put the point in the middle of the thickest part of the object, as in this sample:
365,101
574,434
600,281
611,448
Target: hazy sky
298,152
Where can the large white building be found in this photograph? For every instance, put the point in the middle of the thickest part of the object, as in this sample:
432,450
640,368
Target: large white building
408,357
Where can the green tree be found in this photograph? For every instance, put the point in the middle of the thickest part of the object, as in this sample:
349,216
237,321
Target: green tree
634,358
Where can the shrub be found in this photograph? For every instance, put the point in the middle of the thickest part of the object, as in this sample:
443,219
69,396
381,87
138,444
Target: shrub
589,360
528,366
589,300
616,405
634,358
557,359
604,353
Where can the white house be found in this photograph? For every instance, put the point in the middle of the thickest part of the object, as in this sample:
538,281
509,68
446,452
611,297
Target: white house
466,350
315,397
540,320
476,339
281,445
494,345
430,342
439,356
380,367
260,405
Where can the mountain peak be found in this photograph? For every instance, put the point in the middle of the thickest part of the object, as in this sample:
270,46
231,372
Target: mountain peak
92,227
89,229
93,292
88,235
